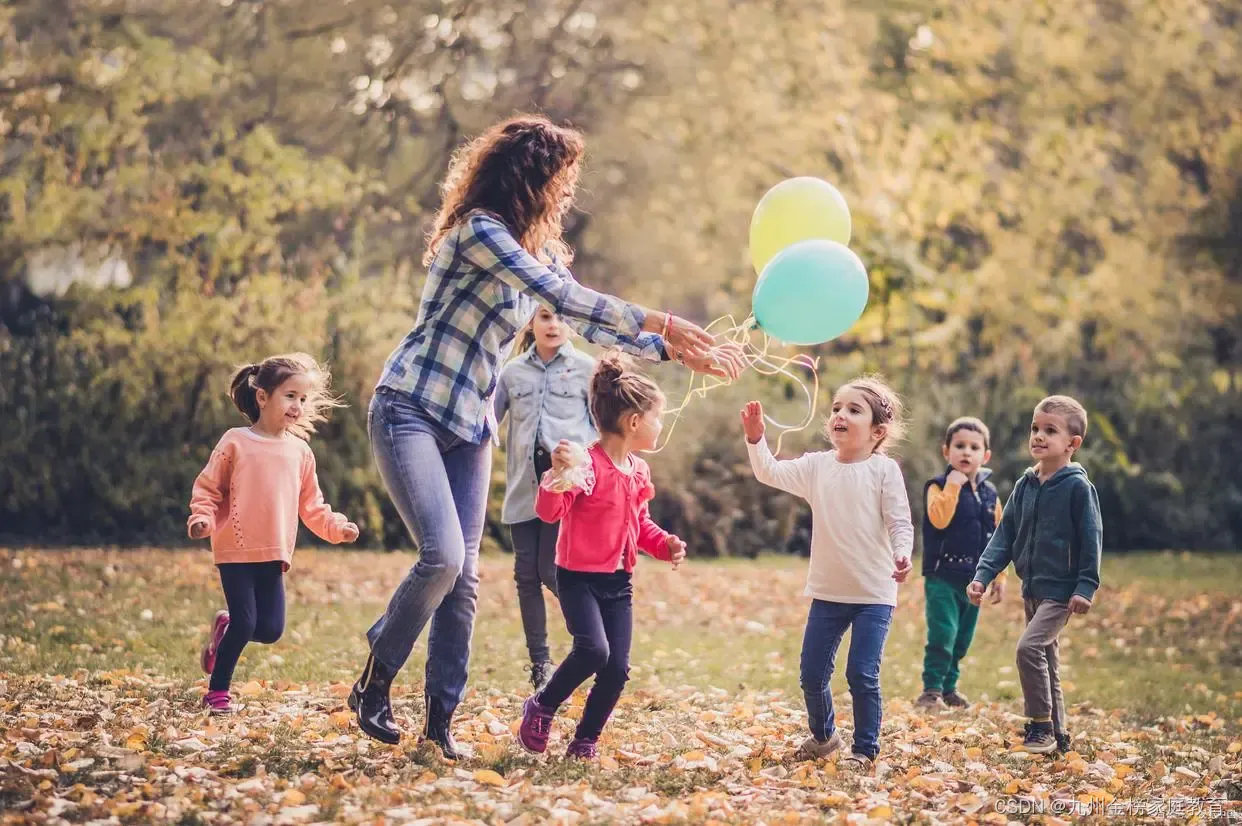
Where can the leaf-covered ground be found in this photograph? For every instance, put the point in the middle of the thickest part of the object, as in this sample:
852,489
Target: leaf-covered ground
99,715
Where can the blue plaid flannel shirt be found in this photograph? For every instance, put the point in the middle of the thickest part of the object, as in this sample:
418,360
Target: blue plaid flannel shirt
482,289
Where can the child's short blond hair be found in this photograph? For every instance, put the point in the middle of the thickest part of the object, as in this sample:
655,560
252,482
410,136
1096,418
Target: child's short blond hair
1075,414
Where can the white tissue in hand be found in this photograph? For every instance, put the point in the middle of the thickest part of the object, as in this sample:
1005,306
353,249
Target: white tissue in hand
576,475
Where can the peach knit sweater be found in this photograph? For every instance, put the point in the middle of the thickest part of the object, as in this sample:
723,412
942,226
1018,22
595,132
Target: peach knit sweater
252,492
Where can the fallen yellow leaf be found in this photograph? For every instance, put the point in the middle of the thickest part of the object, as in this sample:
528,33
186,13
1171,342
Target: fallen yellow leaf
608,763
250,689
974,752
1234,747
880,811
342,719
293,797
136,742
489,778
491,752
693,755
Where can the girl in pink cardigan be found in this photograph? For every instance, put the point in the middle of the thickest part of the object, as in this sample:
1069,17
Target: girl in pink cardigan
604,523
248,498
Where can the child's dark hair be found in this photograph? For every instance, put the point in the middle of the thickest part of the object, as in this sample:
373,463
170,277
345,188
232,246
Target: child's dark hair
886,408
972,424
274,371
617,390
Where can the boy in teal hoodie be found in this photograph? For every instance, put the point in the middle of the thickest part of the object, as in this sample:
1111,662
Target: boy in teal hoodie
1051,531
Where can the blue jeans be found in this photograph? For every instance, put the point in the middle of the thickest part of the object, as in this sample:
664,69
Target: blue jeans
438,483
825,627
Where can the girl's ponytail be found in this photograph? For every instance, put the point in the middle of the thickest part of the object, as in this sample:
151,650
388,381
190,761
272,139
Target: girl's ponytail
617,389
244,392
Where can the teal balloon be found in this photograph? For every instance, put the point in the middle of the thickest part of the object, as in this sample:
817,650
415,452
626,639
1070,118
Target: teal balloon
811,292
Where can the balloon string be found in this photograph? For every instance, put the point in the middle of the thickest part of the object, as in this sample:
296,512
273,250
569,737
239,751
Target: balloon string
764,363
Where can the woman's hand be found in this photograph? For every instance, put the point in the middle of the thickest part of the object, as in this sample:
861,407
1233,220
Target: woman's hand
685,339
724,361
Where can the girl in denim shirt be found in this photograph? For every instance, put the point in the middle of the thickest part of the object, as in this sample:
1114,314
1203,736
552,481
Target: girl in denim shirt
544,391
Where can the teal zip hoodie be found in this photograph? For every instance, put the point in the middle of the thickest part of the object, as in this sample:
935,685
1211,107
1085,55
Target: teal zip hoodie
1053,535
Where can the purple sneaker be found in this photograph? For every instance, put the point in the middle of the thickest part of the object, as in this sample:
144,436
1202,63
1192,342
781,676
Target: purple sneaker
208,656
536,725
218,702
582,749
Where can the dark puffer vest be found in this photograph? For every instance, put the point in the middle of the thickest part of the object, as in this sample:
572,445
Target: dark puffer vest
953,553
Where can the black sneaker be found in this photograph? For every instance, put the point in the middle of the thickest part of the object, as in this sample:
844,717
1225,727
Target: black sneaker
1039,738
955,699
540,673
1063,741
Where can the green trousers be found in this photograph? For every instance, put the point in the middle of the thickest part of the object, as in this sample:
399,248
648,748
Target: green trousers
951,623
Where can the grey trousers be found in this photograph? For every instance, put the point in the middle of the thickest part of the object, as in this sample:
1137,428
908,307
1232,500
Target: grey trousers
1039,661
534,568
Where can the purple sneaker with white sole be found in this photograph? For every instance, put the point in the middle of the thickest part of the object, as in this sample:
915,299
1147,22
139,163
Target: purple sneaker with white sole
220,624
536,725
582,748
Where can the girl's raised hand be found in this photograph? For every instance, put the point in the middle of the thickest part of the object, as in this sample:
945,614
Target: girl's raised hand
350,532
752,422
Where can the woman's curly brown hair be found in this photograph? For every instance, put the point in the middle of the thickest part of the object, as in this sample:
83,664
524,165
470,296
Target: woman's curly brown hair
519,170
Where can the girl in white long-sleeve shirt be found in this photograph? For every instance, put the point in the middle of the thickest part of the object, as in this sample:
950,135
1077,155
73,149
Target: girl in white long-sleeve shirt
861,541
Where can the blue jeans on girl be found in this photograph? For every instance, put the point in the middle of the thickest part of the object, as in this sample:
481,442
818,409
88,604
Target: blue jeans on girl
825,626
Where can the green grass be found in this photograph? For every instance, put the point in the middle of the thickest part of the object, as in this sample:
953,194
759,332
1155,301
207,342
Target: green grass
716,655
1157,642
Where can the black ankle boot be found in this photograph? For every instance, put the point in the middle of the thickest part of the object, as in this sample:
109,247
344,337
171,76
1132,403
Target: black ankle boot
369,699
439,719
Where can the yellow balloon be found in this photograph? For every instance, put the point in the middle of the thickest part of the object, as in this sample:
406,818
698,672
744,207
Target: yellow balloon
797,209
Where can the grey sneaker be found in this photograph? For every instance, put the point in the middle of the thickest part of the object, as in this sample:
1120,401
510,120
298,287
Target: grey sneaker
540,673
955,699
857,764
930,700
812,749
1039,738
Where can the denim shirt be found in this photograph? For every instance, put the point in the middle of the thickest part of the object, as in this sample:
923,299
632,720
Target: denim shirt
545,403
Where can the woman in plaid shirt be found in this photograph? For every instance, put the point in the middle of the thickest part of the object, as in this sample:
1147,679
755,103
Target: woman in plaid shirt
494,256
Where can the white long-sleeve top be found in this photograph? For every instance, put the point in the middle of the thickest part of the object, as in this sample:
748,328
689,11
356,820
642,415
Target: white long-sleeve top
860,521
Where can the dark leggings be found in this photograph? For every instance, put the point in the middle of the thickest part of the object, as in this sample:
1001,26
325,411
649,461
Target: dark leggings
598,609
255,595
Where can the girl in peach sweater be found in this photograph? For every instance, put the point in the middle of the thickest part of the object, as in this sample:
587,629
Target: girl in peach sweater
248,498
